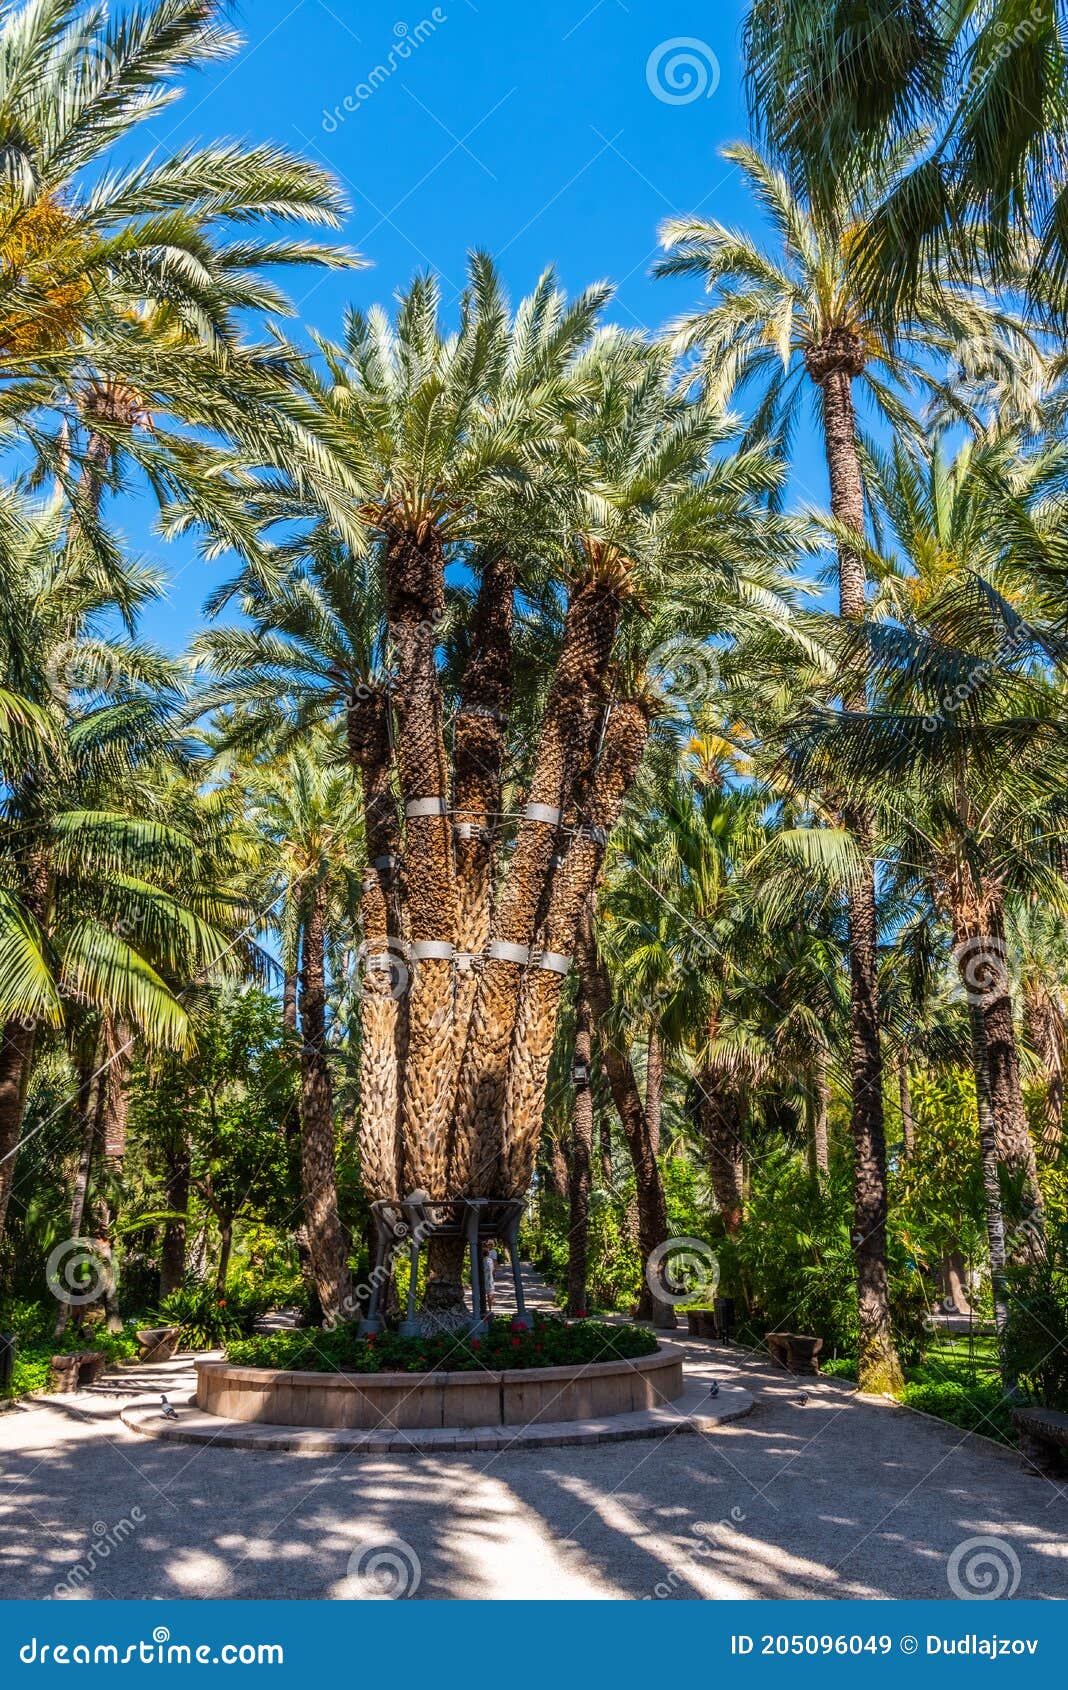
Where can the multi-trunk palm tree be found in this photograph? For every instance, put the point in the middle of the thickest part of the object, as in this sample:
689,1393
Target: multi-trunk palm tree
556,466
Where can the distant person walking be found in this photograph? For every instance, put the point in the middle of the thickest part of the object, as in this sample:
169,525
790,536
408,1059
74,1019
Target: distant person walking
490,1263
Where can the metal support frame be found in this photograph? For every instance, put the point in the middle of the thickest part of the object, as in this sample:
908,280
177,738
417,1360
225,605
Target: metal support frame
415,1221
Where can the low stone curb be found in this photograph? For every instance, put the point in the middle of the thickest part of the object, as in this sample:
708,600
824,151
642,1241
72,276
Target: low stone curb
695,1411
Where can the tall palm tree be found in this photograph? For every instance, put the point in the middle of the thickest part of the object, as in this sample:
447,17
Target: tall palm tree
308,812
833,88
125,286
98,898
810,317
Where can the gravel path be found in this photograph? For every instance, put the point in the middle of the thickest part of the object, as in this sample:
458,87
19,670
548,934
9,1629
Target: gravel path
831,1497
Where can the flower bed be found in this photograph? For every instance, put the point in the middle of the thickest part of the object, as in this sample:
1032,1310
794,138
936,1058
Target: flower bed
556,1373
553,1343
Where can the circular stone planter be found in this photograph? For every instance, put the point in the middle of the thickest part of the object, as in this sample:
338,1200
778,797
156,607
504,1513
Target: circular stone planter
370,1401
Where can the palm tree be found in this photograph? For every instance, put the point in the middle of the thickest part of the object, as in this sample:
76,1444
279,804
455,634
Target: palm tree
124,287
962,749
99,896
811,314
834,89
307,811
1038,940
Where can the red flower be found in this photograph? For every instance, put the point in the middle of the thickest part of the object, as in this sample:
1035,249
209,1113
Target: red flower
476,1343
516,1342
222,1302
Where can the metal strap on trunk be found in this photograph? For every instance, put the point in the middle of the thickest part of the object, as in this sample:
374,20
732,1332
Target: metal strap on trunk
504,952
432,950
424,807
543,813
464,961
552,961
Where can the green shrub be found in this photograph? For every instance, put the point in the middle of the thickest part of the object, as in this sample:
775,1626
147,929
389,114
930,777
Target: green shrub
552,1343
205,1321
1036,1331
978,1405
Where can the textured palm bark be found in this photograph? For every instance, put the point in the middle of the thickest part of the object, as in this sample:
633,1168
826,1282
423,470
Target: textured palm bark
415,587
581,1168
118,1055
979,931
1044,1019
605,1148
16,1058
834,367
722,1117
380,919
88,1113
478,765
572,715
326,1235
995,1218
651,1205
570,887
654,1087
818,1099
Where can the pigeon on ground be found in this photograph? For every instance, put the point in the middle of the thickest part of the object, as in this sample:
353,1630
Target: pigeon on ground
168,1411
713,1389
802,1399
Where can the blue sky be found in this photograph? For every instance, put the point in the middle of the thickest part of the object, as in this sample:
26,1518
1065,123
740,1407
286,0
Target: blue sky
538,132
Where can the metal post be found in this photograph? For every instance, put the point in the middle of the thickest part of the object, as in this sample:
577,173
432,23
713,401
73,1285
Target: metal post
511,1239
410,1327
472,1215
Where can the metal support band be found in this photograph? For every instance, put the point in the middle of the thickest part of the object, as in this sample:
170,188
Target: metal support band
428,950
464,961
424,807
599,835
471,830
543,813
504,952
553,962
379,962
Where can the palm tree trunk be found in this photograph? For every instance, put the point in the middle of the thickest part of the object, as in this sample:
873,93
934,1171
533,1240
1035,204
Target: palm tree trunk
326,1236
653,1229
172,1250
381,981
995,1219
478,763
89,1111
16,1059
565,746
1046,1031
878,1365
570,886
415,585
606,1149
980,951
581,1159
904,1092
819,1150
654,1087
722,1120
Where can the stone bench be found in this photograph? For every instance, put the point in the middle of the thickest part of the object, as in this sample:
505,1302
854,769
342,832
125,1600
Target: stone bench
157,1343
1043,1439
81,1367
796,1351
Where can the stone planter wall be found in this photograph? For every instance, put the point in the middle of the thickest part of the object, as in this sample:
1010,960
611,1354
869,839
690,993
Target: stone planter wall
368,1401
